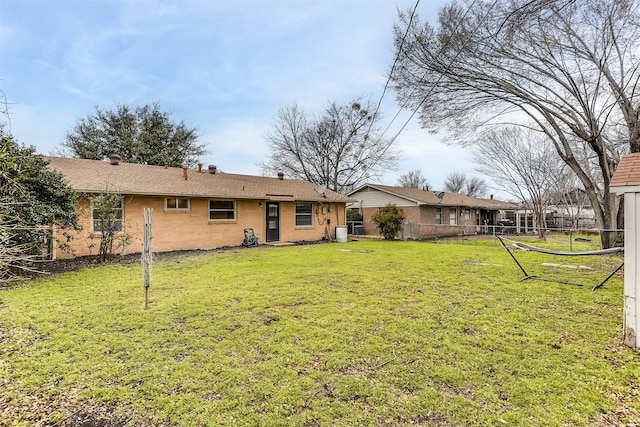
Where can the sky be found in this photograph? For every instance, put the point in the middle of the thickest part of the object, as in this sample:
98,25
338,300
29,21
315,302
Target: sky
223,67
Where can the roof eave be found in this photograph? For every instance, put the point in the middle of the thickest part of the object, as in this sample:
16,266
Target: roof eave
384,190
622,189
293,198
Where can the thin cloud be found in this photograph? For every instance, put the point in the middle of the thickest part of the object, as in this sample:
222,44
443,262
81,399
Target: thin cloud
224,67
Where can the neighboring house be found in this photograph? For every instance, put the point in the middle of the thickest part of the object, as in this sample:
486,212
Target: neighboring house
196,209
558,217
428,213
570,211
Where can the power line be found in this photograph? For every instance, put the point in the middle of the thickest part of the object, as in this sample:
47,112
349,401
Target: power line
431,89
393,66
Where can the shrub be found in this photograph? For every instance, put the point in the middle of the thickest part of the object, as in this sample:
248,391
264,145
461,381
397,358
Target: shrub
389,221
353,215
33,199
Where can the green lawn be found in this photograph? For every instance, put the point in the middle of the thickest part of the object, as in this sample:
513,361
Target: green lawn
366,333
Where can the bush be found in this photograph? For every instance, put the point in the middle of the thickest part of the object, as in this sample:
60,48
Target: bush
389,221
353,215
33,199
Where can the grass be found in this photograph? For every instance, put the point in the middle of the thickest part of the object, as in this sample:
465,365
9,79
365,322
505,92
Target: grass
367,333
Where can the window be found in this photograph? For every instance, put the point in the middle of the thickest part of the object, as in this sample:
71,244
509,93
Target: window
438,215
222,210
176,203
467,214
304,214
453,216
106,214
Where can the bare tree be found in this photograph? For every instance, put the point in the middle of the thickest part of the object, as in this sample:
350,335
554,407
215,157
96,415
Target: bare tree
475,187
107,215
524,164
455,182
17,260
569,67
341,150
414,179
458,182
572,201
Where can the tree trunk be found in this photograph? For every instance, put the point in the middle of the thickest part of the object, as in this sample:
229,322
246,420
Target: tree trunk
541,222
608,221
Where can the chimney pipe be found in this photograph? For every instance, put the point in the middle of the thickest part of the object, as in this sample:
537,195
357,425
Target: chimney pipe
200,167
491,197
212,169
114,159
184,172
280,176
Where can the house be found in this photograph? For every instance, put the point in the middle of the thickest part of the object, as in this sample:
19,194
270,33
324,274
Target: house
194,209
568,211
428,213
572,210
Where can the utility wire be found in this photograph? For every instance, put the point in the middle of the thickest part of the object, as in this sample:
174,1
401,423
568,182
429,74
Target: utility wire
393,67
426,97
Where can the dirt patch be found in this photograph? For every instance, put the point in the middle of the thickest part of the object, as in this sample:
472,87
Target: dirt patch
80,263
45,268
95,417
67,411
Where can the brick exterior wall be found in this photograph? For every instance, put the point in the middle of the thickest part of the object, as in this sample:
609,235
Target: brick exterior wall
370,227
192,229
424,220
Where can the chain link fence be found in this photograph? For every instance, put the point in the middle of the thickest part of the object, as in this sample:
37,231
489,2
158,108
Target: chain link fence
420,231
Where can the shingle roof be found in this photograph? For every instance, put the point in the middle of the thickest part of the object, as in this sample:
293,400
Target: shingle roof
91,176
423,197
628,171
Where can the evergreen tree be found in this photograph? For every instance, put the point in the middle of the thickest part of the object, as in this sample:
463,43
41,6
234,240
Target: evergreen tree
142,135
32,199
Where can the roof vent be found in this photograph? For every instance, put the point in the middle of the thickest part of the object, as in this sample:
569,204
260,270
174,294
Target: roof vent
213,169
199,167
114,159
280,176
184,172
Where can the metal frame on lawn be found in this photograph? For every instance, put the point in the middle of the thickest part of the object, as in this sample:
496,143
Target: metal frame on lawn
527,276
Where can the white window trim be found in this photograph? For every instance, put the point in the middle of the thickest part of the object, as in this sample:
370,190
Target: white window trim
167,208
235,210
453,216
303,215
94,231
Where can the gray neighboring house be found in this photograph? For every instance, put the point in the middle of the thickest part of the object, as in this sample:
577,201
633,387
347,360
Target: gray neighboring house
429,213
